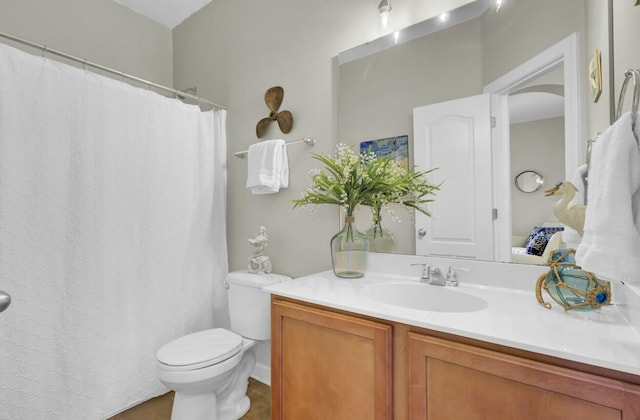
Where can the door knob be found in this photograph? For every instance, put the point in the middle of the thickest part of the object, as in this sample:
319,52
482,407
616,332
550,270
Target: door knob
421,232
5,300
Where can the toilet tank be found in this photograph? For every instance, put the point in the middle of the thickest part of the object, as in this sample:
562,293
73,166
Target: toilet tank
249,306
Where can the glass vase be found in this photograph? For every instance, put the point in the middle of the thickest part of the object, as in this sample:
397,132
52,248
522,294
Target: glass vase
349,251
380,239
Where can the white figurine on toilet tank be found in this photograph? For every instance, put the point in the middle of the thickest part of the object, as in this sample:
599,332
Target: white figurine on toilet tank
258,263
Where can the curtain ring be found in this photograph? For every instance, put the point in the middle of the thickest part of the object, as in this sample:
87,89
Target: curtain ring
44,51
84,64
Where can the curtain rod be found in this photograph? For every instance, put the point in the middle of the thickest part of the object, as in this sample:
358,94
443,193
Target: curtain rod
84,62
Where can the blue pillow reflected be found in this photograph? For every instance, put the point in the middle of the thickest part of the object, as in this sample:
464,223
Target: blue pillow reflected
539,238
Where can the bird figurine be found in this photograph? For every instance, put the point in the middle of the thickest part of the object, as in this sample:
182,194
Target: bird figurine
258,263
571,215
260,241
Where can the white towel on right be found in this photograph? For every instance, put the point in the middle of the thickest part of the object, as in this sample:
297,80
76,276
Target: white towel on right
610,246
267,167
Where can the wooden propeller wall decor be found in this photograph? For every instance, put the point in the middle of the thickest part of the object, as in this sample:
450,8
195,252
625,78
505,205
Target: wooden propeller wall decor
273,98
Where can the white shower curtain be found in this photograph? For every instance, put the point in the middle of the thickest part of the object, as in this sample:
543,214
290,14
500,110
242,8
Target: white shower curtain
112,236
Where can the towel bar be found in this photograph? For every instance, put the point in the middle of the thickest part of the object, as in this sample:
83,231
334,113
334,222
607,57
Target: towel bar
309,141
629,75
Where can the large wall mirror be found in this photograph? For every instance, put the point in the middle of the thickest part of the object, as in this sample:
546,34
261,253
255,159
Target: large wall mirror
476,53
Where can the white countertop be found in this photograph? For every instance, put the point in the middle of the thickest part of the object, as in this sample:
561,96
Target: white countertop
513,317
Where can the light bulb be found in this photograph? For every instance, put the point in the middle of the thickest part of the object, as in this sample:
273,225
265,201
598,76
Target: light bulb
498,5
384,19
396,36
384,8
444,17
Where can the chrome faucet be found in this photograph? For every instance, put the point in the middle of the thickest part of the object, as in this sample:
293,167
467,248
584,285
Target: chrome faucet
436,276
431,275
452,279
424,275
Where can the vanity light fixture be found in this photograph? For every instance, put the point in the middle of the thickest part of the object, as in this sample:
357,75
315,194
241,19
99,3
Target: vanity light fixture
384,8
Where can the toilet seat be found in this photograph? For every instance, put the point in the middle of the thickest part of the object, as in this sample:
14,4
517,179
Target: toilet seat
199,350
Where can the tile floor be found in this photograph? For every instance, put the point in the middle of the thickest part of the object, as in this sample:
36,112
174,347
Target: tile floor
159,408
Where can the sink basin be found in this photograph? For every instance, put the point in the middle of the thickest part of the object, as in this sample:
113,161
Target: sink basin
424,297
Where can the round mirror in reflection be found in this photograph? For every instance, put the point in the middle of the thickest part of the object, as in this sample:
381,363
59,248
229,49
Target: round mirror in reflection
529,181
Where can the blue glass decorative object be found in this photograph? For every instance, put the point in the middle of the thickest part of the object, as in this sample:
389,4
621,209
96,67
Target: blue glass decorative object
570,286
563,255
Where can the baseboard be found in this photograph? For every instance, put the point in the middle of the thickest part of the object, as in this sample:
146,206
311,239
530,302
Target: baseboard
262,373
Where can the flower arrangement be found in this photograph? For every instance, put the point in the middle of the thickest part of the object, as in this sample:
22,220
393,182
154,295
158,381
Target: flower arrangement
352,179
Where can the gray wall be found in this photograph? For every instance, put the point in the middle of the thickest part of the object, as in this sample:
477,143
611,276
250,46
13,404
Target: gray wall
535,146
101,31
597,37
626,24
379,92
238,49
525,28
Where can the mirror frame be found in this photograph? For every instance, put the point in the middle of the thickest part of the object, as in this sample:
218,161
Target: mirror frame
563,53
539,181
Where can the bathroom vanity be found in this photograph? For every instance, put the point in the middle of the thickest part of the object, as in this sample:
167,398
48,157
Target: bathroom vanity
341,350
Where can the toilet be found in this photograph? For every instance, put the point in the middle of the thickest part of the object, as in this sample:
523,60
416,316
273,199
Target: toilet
209,370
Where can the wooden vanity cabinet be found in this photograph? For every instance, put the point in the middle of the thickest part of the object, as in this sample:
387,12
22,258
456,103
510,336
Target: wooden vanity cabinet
449,380
329,364
326,365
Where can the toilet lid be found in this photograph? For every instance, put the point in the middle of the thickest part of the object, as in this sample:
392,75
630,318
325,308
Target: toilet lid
200,349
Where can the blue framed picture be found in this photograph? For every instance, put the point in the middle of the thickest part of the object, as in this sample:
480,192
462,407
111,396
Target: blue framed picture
398,147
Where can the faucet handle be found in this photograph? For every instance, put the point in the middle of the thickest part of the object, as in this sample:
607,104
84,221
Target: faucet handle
426,271
451,275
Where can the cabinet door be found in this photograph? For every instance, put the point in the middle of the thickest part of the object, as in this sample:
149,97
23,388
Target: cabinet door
449,380
328,366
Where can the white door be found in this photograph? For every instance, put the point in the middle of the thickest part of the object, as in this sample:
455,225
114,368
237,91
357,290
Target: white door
455,137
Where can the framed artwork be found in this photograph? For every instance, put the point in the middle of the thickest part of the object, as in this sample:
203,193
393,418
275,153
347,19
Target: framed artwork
595,76
398,147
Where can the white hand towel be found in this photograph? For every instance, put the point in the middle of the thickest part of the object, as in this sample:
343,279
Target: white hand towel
268,167
570,236
610,246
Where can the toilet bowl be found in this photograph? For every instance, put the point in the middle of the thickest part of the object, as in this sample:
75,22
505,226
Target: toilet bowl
209,370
